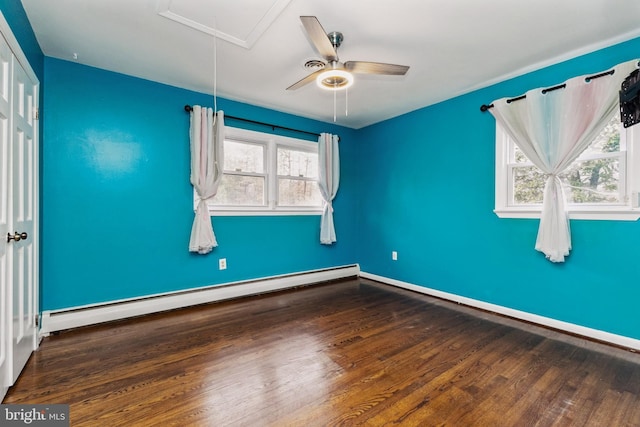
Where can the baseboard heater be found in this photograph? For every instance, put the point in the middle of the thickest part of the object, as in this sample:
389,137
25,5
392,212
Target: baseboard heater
75,317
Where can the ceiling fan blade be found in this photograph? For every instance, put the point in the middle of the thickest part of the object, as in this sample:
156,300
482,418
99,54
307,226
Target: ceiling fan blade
362,67
311,77
319,38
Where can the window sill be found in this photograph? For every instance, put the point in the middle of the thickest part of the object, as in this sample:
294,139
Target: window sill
263,212
612,214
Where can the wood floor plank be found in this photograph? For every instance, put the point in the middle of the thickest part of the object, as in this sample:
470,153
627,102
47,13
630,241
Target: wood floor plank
347,353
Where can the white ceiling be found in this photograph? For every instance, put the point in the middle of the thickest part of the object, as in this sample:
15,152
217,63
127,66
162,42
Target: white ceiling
452,47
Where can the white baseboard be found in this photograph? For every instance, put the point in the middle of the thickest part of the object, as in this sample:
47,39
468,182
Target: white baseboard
74,317
618,340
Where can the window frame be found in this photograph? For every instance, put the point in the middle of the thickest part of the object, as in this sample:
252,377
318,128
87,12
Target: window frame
271,143
628,211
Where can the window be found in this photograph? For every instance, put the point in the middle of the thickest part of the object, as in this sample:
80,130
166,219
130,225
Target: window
245,178
298,177
267,174
602,183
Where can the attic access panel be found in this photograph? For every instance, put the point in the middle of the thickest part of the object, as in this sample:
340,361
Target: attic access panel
240,22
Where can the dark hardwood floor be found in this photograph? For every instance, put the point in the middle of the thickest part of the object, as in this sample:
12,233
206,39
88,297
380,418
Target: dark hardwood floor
348,353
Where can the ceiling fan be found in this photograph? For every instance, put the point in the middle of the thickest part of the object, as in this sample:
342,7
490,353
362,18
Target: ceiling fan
337,75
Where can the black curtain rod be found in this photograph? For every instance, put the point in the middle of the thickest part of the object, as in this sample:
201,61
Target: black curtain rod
485,107
188,109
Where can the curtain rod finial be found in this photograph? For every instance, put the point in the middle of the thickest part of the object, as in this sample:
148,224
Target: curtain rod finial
188,108
485,107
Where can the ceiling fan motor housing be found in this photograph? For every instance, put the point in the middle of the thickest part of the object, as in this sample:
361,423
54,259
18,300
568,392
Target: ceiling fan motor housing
336,38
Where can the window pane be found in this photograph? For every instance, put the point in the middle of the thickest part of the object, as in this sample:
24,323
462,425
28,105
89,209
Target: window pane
298,192
593,181
240,190
297,163
608,141
585,181
243,157
528,185
518,155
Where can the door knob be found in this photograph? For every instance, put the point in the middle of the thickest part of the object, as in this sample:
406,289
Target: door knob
17,236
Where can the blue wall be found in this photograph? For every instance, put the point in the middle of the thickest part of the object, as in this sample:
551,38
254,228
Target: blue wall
430,196
16,17
118,205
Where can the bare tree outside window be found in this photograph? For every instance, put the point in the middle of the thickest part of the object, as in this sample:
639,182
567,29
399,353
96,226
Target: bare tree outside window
594,178
297,178
243,182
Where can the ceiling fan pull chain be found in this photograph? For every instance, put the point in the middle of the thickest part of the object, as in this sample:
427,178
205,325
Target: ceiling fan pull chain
334,106
215,66
346,103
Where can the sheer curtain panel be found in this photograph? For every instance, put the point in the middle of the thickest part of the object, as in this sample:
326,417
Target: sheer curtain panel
328,181
207,142
552,128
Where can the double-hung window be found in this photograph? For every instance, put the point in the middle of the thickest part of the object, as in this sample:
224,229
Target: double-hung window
602,183
267,174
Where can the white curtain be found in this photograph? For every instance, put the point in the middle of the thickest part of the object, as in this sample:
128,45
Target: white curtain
207,139
328,181
553,129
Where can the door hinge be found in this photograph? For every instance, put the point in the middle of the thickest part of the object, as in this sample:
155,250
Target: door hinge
36,113
37,320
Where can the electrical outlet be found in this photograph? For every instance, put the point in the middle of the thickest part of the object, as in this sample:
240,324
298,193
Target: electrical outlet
222,263
394,255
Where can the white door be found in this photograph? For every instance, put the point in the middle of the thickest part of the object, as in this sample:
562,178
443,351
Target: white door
22,219
5,126
18,209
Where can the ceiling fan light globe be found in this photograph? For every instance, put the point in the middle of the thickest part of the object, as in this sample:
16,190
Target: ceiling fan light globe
334,80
